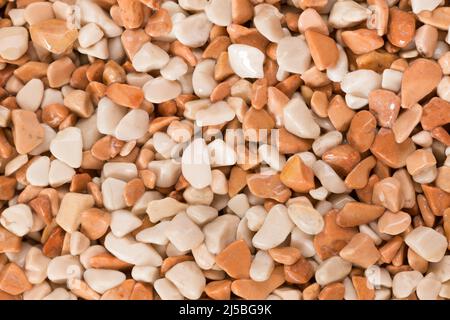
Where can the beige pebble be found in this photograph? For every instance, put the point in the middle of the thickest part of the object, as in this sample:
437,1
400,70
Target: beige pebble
275,229
220,232
427,243
14,42
101,280
188,269
128,250
71,156
331,270
164,208
404,283
123,222
183,233
89,35
17,219
72,205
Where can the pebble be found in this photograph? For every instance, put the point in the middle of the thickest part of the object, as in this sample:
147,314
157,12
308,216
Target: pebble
360,251
193,31
17,219
427,243
70,209
347,14
306,218
89,35
65,267
297,175
183,233
101,280
58,147
394,223
28,132
150,57
254,290
14,42
293,55
328,177
419,79
31,94
38,172
133,125
246,61
272,234
13,280
220,232
128,250
216,114
357,213
159,90
299,121
195,164
123,222
53,35
193,288
405,283
323,49
235,260
332,270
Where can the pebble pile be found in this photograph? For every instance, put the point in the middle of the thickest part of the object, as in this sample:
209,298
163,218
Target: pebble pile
120,177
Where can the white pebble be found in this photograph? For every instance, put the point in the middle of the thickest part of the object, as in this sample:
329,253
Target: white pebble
150,57
195,164
133,126
17,219
38,172
246,61
160,90
72,156
30,95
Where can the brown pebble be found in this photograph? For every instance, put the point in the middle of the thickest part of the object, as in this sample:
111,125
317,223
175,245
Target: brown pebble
285,255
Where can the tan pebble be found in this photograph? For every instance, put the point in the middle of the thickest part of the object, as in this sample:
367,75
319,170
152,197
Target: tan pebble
7,187
438,18
342,158
79,102
385,105
438,199
300,272
359,176
253,290
417,262
125,95
53,35
339,113
420,161
390,249
394,223
134,189
361,133
406,123
13,280
159,23
28,132
388,194
362,41
361,251
386,149
285,255
54,243
334,291
297,176
402,27
311,19
356,213
364,290
235,260
375,60
323,49
108,261
311,292
120,292
241,11
419,79
31,70
219,290
268,186
131,13
332,238
9,242
435,113
289,143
